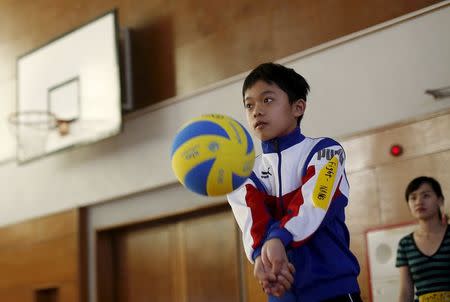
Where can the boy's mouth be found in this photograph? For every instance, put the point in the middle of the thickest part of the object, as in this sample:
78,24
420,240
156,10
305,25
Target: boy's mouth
259,124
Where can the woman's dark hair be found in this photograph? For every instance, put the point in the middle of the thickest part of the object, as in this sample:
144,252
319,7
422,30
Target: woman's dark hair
417,182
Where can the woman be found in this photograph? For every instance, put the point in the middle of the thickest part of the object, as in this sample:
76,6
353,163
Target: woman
423,257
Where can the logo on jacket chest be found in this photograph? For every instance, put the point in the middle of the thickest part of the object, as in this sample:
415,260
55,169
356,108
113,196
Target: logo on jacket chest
266,174
329,153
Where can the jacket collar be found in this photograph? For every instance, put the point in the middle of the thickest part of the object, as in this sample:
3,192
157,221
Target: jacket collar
281,143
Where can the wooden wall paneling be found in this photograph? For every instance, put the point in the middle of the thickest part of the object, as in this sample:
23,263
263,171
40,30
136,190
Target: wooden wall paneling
198,19
243,40
40,254
179,273
65,292
358,248
212,258
15,294
394,178
267,32
70,292
16,234
254,292
106,274
46,295
185,45
43,262
40,229
82,259
363,210
417,138
186,258
135,13
51,262
299,25
143,258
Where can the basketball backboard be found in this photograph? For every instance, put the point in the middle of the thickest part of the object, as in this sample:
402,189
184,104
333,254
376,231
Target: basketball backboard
75,79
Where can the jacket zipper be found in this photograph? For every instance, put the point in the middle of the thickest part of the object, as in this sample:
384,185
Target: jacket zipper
280,195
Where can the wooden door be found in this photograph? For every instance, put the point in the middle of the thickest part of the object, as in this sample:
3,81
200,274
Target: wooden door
190,258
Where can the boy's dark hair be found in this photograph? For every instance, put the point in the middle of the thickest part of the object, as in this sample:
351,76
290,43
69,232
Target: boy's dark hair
287,79
417,182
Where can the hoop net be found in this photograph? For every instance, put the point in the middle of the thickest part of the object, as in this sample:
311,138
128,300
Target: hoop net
31,129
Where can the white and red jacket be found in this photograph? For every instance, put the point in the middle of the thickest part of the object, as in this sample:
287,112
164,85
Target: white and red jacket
297,192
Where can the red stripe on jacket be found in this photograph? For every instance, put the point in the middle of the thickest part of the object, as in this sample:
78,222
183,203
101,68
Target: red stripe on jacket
294,199
260,215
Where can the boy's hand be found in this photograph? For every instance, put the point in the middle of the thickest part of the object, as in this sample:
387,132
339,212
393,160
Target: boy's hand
264,275
284,281
274,256
271,284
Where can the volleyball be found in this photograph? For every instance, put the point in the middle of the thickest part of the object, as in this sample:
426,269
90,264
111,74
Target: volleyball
212,155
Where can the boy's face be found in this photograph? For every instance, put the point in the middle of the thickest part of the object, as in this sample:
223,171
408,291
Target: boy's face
269,113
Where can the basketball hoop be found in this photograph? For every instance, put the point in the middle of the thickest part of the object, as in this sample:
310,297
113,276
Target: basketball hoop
32,129
42,120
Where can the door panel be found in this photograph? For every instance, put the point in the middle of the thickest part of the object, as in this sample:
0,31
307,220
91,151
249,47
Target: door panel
193,258
144,272
212,259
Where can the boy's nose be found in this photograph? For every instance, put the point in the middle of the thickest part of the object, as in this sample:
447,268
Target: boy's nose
258,111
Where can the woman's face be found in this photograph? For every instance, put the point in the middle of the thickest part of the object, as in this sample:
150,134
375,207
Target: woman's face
424,203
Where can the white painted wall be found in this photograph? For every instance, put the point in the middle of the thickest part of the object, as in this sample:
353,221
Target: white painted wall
366,80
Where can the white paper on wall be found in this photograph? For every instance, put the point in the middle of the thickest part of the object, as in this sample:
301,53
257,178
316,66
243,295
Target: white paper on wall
382,253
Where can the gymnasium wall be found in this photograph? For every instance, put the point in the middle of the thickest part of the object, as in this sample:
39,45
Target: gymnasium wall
360,81
182,46
48,253
377,182
190,59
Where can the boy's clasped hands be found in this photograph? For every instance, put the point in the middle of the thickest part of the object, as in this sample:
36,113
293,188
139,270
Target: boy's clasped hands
273,270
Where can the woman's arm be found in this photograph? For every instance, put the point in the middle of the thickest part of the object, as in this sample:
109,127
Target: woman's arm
406,285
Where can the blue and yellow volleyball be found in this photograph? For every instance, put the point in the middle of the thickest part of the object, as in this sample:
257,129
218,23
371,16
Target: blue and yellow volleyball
212,155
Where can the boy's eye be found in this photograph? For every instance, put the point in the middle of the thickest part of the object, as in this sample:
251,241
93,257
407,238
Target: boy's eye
248,106
268,100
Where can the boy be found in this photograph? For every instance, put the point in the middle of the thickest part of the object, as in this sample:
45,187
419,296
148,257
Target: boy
291,209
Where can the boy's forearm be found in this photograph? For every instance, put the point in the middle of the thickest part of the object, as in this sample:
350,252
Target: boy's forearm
254,220
274,255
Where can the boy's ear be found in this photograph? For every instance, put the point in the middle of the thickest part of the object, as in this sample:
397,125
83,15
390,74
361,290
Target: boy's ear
299,107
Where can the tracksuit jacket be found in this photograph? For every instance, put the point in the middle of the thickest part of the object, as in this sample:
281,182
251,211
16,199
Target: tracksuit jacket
297,192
